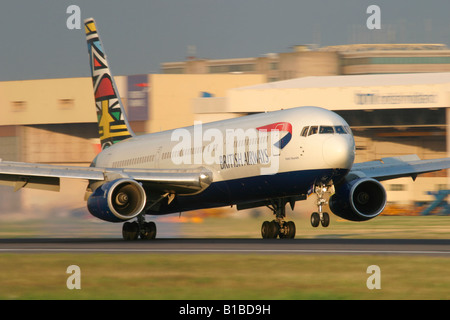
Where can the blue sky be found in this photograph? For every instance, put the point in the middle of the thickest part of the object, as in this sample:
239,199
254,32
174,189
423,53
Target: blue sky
138,35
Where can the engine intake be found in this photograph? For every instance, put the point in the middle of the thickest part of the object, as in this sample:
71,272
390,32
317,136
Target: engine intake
360,199
117,200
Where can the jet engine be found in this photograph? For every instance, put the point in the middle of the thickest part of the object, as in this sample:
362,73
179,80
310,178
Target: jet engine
118,200
359,199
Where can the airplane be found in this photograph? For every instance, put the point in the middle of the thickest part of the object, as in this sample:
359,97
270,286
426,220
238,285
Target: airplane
268,159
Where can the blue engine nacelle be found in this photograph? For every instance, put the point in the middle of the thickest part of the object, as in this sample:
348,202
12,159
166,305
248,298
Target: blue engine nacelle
118,200
360,199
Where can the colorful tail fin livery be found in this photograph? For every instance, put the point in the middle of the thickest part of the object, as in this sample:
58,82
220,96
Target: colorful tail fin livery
112,123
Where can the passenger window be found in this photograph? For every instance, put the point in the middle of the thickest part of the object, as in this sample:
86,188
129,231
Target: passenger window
304,132
313,130
340,130
326,130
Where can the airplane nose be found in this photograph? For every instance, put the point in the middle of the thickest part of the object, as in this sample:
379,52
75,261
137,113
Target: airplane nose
339,151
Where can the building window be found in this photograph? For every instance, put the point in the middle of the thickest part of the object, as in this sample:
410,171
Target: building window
232,68
18,105
66,103
173,71
410,60
397,187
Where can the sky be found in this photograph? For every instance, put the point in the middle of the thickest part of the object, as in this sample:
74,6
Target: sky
139,35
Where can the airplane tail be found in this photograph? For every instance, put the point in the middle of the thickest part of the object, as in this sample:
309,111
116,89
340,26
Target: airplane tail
112,122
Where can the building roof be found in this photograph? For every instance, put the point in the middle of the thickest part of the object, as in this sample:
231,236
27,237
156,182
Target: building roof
356,81
386,47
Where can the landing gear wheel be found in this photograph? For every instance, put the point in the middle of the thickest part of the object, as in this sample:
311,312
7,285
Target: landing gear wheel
278,227
148,231
141,228
269,230
130,230
325,220
290,230
274,229
265,229
315,219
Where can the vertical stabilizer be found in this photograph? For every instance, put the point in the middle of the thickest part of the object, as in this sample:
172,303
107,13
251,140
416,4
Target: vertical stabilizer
112,123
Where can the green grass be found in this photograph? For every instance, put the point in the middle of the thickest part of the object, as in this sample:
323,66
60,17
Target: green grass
224,276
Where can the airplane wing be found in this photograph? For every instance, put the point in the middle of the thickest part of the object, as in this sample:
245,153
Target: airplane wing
47,177
397,167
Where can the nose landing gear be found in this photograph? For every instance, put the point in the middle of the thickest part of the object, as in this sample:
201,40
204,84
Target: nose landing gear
321,217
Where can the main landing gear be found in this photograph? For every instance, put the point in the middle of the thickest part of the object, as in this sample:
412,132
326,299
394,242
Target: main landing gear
320,217
278,227
140,228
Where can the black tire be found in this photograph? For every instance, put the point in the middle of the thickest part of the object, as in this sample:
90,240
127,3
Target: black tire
326,220
130,231
265,229
315,219
148,232
270,230
290,230
274,229
134,232
125,231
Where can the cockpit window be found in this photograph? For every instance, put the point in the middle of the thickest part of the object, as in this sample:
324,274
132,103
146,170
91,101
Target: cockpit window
313,130
309,131
340,130
326,130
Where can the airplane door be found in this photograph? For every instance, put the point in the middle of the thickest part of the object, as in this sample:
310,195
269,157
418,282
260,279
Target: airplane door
158,157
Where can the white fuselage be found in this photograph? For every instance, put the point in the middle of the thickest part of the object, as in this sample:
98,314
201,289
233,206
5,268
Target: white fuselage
305,139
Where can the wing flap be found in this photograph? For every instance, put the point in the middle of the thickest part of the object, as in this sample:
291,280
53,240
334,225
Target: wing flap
45,176
32,182
48,170
397,167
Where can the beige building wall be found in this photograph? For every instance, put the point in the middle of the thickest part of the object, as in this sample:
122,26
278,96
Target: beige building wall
307,63
172,96
59,143
70,101
47,101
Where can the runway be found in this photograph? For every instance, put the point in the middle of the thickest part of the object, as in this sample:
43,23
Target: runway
433,247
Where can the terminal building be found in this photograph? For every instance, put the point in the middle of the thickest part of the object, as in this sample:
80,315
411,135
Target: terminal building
396,99
309,60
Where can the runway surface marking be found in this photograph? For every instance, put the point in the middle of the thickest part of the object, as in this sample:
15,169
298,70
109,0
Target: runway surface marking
230,246
413,247
100,250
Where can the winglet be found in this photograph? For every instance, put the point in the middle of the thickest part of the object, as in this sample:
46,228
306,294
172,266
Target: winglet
112,122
